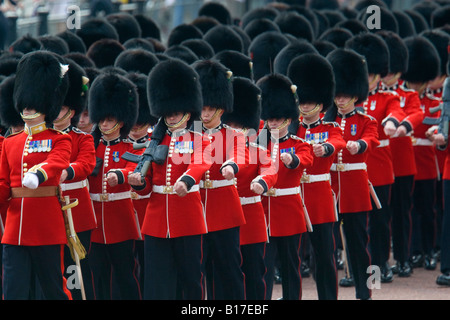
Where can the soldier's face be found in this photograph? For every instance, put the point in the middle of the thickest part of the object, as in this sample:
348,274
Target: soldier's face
344,103
84,123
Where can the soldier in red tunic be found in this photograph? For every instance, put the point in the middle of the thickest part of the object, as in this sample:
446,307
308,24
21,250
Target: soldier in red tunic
283,204
349,176
252,181
113,108
384,106
31,165
174,223
220,197
423,67
74,181
316,96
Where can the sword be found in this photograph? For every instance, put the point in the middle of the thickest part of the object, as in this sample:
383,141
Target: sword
374,196
77,250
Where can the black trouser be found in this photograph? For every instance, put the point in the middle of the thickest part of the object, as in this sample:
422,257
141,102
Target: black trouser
423,216
356,234
288,249
222,257
380,227
401,206
254,270
324,261
70,267
22,265
173,268
445,239
117,257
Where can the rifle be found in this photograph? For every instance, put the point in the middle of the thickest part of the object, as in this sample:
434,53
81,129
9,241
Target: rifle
153,152
444,107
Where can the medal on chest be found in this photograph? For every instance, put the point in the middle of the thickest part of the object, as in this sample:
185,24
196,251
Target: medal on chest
353,129
318,137
40,146
184,147
115,156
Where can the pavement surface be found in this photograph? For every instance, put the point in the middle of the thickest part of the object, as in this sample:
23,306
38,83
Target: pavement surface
421,285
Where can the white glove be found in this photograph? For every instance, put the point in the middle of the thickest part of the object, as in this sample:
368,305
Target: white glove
30,180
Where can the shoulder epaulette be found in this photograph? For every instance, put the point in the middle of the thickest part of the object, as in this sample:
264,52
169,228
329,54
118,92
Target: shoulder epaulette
195,132
389,92
255,145
432,97
333,123
76,130
293,136
57,131
365,114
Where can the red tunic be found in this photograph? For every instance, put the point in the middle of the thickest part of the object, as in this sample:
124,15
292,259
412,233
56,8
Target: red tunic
401,147
383,106
352,186
116,219
169,215
285,215
34,221
329,134
424,150
82,162
255,228
222,205
3,207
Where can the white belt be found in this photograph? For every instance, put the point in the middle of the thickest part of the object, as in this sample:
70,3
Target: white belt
348,166
276,192
74,185
250,200
421,142
106,197
383,143
136,196
309,178
212,184
169,189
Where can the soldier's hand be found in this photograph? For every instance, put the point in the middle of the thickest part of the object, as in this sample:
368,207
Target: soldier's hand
228,172
134,179
30,180
256,188
389,128
401,131
438,139
112,178
180,188
431,131
318,150
353,147
286,158
63,176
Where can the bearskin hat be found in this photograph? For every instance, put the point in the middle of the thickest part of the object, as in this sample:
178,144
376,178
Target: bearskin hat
9,62
139,43
350,73
41,83
215,79
144,116
263,51
406,26
200,47
258,13
205,23
337,36
374,49
96,29
216,10
440,17
423,63
288,53
223,37
54,44
398,53
149,28
313,75
136,60
278,97
125,24
183,32
246,104
74,42
258,26
113,95
293,23
240,64
77,94
181,52
25,44
441,41
8,114
174,86
104,52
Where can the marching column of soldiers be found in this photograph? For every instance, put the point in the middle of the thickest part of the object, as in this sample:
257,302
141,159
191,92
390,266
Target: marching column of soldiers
237,153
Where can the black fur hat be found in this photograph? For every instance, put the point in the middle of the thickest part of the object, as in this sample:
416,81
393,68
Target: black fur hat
258,26
136,60
25,44
144,116
258,13
374,49
288,53
77,94
104,52
181,52
246,104
74,42
139,43
113,95
441,41
263,51
200,47
216,10
337,36
54,44
278,97
174,86
215,79
293,23
183,32
41,83
406,26
313,75
240,64
440,17
9,62
223,37
350,73
96,29
423,63
149,28
8,114
126,25
398,53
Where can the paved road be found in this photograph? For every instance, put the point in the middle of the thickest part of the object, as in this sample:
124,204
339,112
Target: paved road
421,285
